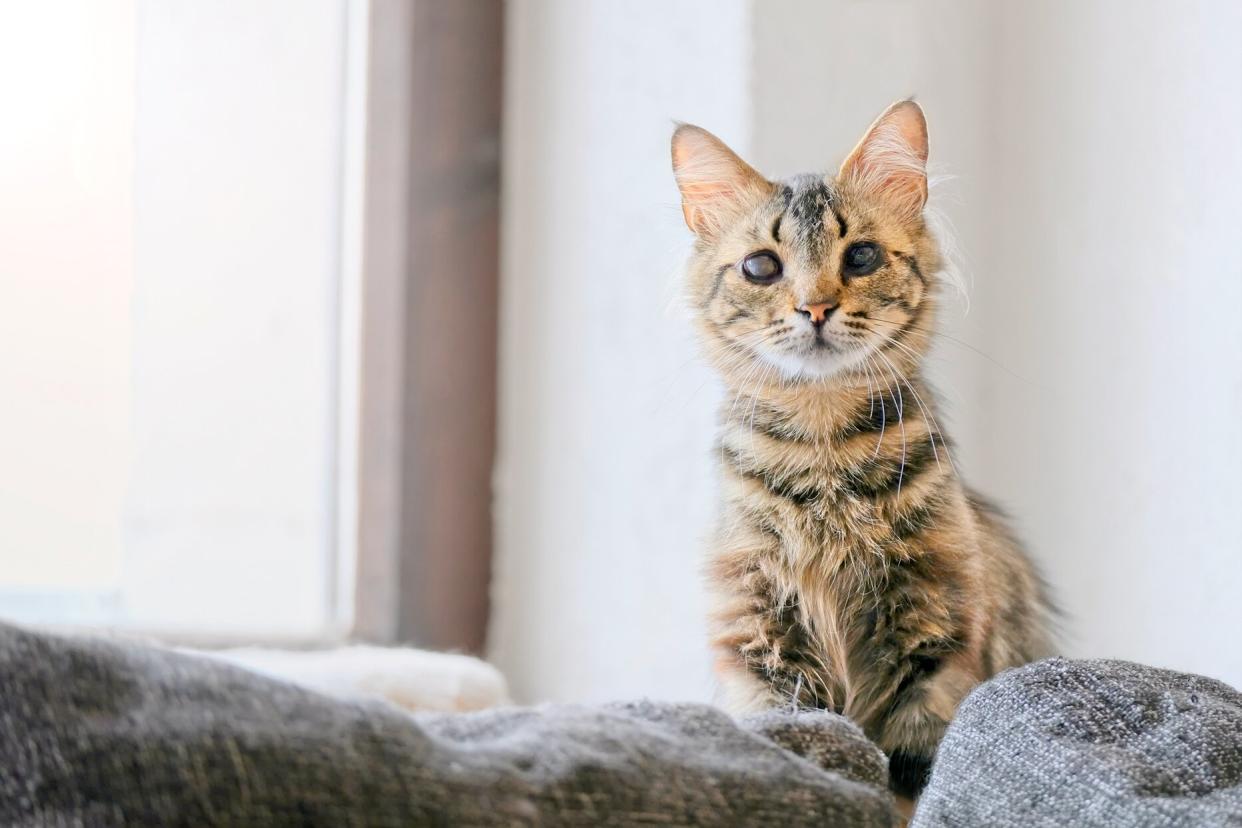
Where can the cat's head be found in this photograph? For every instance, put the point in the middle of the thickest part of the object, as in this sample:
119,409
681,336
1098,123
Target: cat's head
817,275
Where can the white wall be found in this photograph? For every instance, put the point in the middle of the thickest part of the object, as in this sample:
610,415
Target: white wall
1112,285
1095,154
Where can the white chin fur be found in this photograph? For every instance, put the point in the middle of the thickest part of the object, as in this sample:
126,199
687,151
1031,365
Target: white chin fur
814,365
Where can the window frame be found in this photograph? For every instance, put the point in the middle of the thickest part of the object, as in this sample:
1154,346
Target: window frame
427,416
416,370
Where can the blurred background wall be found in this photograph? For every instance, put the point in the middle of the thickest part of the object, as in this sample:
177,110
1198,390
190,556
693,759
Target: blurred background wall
1096,386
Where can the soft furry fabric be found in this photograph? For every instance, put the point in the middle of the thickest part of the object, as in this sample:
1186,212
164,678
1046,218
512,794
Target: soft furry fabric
416,680
104,733
1090,743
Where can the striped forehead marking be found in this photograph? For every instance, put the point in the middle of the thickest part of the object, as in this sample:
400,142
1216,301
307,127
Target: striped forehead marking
811,202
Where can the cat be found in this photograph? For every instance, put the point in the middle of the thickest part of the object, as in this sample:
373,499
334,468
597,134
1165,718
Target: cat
851,568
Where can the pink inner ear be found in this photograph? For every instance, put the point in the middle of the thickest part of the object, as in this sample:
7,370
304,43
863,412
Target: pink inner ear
701,202
913,130
714,182
709,192
891,160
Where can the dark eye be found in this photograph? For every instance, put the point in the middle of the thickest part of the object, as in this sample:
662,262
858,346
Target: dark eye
862,258
762,268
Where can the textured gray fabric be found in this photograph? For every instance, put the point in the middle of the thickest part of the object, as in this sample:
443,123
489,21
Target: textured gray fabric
101,733
1086,743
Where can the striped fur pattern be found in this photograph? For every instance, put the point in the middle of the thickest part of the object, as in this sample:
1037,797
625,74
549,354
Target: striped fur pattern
852,569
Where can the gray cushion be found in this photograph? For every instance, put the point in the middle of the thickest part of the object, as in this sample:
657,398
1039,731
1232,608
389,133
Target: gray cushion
103,733
1086,743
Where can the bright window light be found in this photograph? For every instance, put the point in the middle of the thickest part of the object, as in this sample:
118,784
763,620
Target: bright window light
171,348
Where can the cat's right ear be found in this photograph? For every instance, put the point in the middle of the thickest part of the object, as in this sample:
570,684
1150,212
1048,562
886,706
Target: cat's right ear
715,184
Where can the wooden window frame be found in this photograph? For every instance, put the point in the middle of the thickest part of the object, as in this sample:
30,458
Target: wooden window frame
429,318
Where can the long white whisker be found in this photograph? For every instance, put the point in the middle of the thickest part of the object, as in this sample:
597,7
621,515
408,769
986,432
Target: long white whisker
963,343
926,411
901,423
883,415
927,416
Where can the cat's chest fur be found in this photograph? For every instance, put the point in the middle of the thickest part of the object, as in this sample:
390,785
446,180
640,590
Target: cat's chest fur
840,559
821,501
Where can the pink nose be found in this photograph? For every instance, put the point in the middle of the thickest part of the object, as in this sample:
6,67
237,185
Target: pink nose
817,312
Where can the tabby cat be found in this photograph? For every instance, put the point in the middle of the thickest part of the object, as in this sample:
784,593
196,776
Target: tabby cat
853,569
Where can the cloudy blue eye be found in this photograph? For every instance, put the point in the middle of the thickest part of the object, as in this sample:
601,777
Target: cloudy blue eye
762,268
862,259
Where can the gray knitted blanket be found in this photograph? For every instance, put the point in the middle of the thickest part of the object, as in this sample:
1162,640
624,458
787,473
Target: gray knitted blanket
1090,743
101,733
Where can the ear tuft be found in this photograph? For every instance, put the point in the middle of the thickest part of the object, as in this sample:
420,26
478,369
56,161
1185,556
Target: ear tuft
715,183
891,159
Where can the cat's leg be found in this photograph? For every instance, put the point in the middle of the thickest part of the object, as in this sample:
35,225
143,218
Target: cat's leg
764,656
921,711
764,677
745,641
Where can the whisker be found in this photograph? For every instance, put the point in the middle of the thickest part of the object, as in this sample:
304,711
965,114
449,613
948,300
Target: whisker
952,339
925,409
901,423
883,415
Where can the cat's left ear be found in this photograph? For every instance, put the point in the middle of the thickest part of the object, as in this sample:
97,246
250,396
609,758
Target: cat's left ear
891,159
716,186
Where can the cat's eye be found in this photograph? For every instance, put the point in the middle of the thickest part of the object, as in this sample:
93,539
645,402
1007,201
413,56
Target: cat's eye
862,259
762,268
